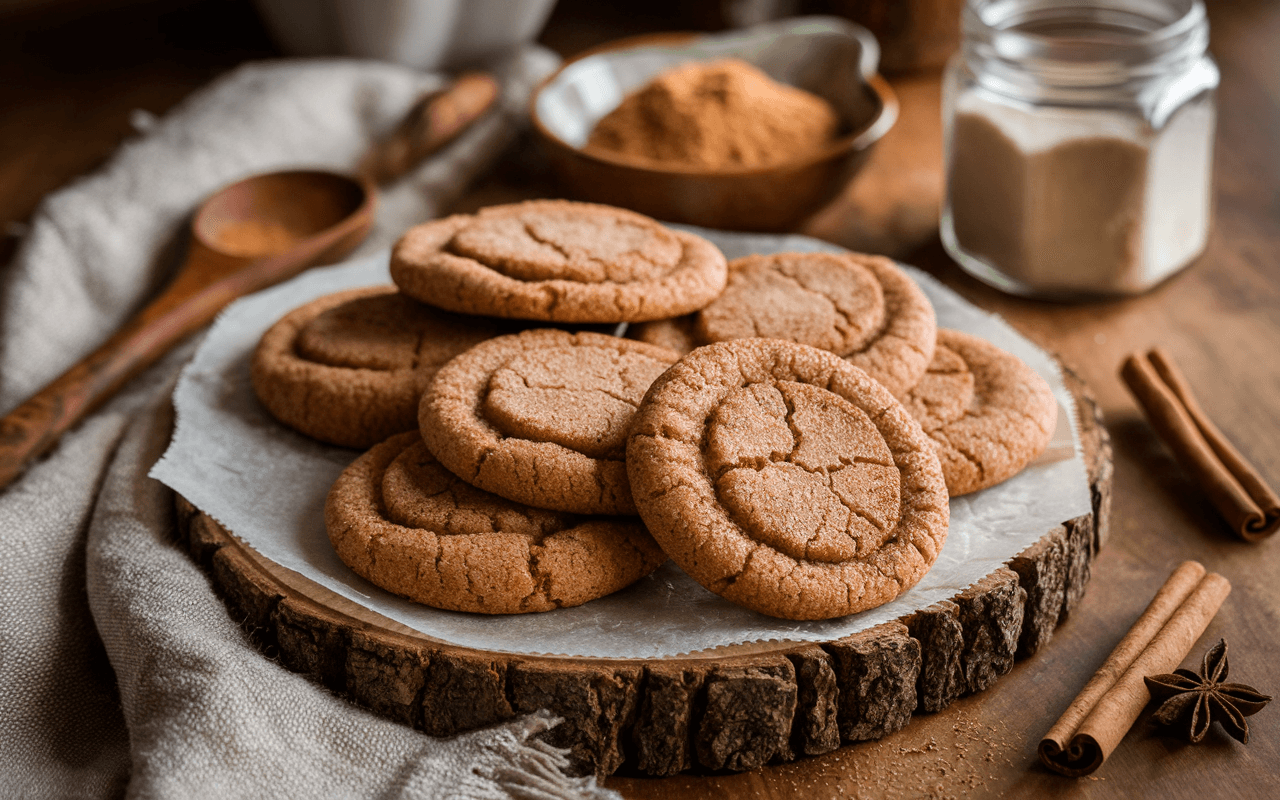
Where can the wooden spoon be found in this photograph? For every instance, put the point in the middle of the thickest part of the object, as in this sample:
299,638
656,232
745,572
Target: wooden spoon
246,237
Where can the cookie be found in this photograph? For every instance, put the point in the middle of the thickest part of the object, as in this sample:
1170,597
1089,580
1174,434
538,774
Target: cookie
405,523
987,412
541,417
349,368
784,479
558,261
858,306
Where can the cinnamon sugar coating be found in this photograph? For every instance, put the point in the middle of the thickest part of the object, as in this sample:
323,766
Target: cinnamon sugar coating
988,413
541,417
861,307
786,480
558,261
350,367
402,521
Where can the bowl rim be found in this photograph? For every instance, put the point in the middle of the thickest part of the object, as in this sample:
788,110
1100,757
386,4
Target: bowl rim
859,139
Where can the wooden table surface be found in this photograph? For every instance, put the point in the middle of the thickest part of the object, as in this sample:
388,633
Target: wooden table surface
68,85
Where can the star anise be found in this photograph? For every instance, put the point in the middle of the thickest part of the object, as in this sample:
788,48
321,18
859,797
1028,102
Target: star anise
1196,700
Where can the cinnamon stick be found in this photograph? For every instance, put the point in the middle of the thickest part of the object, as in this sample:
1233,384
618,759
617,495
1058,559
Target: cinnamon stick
1236,489
1099,717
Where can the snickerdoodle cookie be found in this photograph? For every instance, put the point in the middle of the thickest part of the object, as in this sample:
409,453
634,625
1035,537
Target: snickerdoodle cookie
987,412
404,522
349,368
861,307
558,261
541,417
786,480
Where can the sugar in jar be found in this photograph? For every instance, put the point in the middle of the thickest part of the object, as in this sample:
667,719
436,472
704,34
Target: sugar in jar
1079,144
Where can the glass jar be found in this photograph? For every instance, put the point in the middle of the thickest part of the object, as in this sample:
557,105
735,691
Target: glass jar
1079,144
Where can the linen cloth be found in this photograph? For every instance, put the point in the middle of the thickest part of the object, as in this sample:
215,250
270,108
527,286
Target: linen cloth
120,670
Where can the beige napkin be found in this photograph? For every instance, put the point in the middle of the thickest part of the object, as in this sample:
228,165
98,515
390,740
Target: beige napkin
120,670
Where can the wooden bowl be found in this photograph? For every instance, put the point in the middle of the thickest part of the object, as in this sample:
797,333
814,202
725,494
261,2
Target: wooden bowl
832,58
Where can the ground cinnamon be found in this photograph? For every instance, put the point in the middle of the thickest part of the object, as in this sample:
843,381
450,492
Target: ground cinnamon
719,115
254,238
1106,708
1235,487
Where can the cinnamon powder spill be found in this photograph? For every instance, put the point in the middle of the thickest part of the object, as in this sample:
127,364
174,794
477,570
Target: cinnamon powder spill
720,115
958,762
962,757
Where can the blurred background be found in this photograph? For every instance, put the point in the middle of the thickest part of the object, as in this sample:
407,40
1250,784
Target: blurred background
72,72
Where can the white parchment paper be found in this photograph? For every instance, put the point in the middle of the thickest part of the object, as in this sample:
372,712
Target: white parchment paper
267,485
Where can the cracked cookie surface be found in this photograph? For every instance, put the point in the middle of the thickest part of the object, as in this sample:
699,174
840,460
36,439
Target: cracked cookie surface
786,480
349,368
558,261
541,417
401,520
857,306
987,412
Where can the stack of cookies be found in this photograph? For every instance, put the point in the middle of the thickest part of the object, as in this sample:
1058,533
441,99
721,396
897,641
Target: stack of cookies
787,428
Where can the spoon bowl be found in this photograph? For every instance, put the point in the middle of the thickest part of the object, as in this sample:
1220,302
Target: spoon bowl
267,214
245,237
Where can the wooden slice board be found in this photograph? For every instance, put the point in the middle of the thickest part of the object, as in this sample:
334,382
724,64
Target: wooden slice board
734,708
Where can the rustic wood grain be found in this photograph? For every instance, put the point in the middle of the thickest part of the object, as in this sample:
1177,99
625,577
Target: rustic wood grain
596,699
941,636
388,678
990,622
749,708
467,693
663,733
876,673
1042,572
816,729
663,716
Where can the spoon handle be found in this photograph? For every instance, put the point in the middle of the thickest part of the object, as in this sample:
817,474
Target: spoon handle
187,305
432,122
32,428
